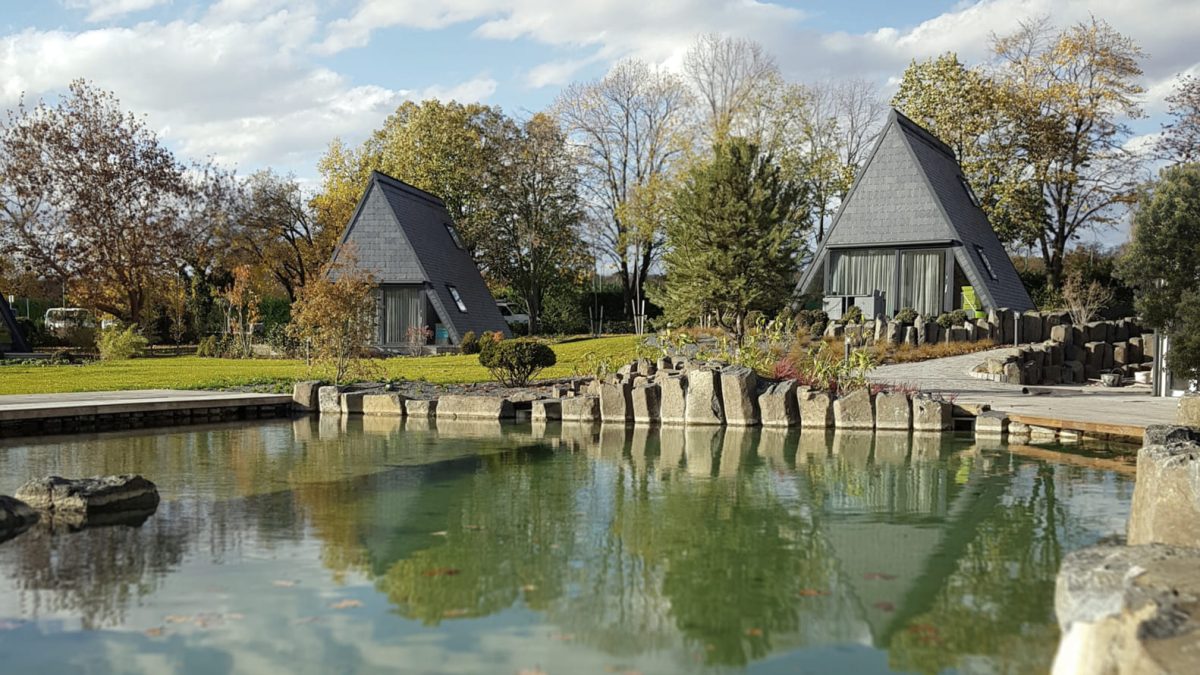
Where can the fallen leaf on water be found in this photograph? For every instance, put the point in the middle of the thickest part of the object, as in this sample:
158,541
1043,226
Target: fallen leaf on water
754,632
811,592
529,588
531,671
153,632
452,613
177,618
440,533
346,604
307,620
440,572
9,625
885,606
563,637
472,527
235,616
284,583
870,576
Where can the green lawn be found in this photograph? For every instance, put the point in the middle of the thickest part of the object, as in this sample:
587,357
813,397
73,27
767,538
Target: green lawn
190,372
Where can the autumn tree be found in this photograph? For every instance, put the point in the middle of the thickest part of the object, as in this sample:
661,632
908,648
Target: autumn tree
335,315
92,197
626,129
240,303
734,238
273,227
963,107
1069,95
449,149
1180,140
534,245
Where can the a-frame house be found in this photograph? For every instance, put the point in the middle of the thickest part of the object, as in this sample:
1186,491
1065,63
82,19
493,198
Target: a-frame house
910,233
406,239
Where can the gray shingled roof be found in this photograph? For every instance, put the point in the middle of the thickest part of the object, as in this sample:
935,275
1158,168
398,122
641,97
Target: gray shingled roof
911,192
400,236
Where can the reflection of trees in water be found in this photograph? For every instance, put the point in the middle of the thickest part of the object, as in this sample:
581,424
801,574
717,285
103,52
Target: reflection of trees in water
994,601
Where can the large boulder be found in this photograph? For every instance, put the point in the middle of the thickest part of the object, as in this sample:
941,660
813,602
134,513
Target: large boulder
386,405
739,396
777,405
616,402
931,414
458,406
673,402
1128,609
893,411
646,401
816,409
1166,495
704,398
855,410
15,517
581,409
126,492
304,396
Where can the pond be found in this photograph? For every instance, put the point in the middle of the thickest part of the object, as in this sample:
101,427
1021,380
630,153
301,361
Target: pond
364,545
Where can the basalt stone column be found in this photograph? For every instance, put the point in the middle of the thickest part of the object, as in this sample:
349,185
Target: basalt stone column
816,409
1166,495
855,410
739,396
581,409
704,398
673,400
616,404
304,396
930,414
329,400
646,403
893,411
777,405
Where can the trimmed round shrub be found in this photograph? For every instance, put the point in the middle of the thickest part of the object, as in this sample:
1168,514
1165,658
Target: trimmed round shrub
812,321
907,315
853,315
469,343
950,319
514,362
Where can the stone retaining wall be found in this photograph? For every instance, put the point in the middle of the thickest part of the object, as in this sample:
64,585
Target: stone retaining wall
1068,354
670,392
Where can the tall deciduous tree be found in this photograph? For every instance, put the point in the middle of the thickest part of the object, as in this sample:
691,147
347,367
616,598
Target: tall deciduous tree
734,236
626,128
273,227
728,75
99,202
450,149
1180,141
1068,95
534,245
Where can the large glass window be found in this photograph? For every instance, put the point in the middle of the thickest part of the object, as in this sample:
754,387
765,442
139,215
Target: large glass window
862,272
403,308
923,281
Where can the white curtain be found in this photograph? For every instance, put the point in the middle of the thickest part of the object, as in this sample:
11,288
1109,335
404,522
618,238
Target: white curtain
401,311
924,281
862,272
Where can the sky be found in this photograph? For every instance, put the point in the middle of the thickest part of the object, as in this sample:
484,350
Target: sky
257,83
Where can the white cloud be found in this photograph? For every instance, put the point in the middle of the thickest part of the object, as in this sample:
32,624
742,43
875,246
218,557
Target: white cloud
237,84
104,10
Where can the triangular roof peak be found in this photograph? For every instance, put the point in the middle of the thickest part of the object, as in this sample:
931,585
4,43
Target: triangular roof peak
910,126
392,181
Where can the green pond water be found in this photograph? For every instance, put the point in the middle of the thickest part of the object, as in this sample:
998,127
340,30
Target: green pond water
363,546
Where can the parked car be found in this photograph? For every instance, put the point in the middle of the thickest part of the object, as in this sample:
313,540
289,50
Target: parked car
512,314
59,320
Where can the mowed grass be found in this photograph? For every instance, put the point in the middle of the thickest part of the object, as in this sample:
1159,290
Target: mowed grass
190,372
